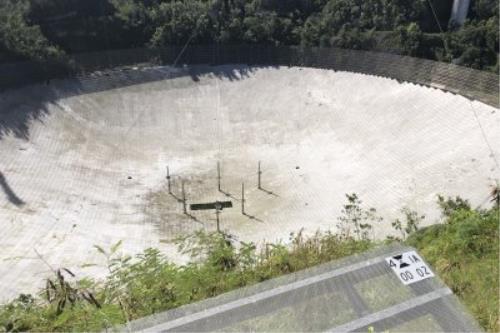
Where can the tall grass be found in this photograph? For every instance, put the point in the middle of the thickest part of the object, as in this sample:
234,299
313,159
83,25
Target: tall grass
465,253
463,250
149,283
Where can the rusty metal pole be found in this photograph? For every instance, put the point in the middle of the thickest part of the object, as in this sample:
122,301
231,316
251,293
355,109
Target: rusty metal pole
217,212
218,207
168,181
184,208
218,177
259,173
243,198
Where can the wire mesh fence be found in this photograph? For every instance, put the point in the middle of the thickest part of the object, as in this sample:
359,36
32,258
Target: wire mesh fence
471,83
390,288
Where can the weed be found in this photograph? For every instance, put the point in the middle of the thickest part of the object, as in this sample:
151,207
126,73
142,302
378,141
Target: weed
463,251
409,225
355,216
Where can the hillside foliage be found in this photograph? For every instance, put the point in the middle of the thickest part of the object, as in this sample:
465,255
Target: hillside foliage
463,250
41,29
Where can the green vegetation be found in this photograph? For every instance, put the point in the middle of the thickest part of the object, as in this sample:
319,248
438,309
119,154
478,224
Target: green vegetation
47,29
464,251
18,39
149,283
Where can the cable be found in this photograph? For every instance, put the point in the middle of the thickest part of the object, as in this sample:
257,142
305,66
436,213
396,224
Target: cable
134,123
439,26
195,30
484,135
492,156
184,48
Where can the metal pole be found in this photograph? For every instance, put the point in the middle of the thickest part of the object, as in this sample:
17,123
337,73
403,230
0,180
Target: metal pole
184,199
218,176
243,198
259,173
168,181
217,213
495,197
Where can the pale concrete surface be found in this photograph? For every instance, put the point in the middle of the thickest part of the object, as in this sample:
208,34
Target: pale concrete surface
66,162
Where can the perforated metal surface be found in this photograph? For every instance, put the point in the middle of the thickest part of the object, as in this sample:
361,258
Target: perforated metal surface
355,294
475,84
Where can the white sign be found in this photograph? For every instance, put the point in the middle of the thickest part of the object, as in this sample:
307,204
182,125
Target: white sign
409,267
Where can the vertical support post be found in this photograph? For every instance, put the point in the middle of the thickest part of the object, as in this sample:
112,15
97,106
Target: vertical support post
218,177
168,181
495,197
184,199
243,198
259,173
217,213
218,207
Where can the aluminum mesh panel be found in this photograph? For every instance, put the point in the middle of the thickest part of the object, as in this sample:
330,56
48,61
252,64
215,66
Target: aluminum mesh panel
475,84
356,294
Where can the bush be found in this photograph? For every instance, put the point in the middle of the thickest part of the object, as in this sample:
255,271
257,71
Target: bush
18,38
410,38
149,283
465,252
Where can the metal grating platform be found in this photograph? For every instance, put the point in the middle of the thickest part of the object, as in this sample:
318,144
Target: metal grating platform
359,293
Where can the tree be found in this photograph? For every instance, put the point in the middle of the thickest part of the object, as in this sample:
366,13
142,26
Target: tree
178,22
410,38
133,21
20,39
353,39
475,44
